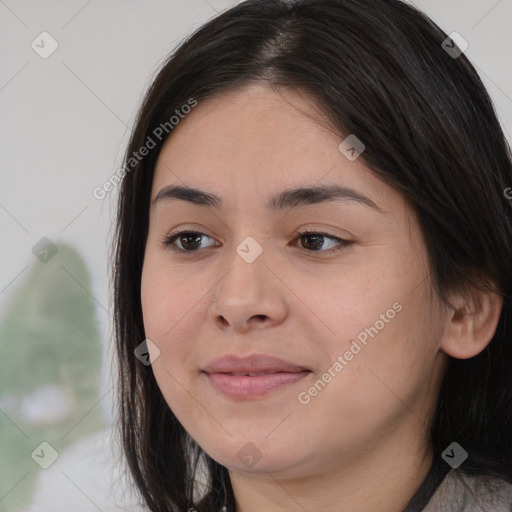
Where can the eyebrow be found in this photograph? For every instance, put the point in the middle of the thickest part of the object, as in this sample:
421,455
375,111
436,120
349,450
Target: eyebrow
291,198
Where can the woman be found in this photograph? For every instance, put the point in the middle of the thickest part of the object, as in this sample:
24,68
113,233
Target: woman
313,252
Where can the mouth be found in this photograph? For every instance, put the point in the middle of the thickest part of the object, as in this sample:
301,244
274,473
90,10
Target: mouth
252,377
253,374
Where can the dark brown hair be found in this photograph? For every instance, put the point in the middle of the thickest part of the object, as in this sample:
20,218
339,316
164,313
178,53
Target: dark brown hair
378,70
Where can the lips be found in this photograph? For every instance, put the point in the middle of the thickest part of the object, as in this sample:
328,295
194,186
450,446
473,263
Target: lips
252,377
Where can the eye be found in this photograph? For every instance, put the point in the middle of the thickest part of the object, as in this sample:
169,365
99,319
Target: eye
318,238
188,240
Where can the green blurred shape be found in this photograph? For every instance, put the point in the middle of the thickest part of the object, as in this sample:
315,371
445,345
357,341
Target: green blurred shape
49,339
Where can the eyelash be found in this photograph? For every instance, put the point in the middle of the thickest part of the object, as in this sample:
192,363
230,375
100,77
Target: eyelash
342,244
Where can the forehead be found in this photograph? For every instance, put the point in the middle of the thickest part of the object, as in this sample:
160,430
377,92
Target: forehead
255,123
257,141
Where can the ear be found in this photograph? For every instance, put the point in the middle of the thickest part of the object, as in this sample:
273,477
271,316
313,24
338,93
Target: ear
471,322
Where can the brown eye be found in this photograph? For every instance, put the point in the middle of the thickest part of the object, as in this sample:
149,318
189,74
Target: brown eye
314,241
189,241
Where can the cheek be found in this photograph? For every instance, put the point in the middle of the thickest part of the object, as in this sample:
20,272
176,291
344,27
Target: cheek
383,330
167,300
387,363
174,312
166,323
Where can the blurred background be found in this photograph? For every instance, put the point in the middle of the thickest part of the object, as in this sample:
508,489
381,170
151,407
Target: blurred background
72,75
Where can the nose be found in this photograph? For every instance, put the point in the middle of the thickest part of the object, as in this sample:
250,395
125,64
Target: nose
248,296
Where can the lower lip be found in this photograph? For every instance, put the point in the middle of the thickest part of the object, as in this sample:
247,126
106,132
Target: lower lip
245,386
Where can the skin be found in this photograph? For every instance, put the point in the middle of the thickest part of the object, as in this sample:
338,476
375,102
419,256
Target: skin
358,444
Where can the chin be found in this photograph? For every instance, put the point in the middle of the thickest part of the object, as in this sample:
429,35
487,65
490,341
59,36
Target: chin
254,458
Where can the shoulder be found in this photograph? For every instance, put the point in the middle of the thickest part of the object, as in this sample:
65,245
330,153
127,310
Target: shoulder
459,492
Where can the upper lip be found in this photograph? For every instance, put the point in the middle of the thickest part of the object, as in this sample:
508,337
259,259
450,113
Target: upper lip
257,363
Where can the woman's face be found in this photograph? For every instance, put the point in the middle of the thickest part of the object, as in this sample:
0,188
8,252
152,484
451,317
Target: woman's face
357,317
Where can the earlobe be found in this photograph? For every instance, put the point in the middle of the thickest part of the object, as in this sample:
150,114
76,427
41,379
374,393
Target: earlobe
471,323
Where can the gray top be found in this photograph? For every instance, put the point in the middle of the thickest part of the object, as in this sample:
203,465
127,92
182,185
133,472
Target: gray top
462,493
